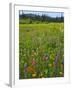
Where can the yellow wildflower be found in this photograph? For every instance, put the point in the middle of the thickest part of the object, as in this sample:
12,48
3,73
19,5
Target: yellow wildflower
41,75
60,73
34,75
50,65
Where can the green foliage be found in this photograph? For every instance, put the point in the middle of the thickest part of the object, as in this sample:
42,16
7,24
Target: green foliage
39,45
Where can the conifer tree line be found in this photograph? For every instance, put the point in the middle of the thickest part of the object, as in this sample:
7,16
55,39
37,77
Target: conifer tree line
31,18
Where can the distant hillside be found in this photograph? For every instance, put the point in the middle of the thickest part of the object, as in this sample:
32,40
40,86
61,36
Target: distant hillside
33,18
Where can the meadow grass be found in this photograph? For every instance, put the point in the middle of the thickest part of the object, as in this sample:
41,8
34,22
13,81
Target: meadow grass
41,50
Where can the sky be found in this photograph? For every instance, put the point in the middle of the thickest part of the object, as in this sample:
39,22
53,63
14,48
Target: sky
51,14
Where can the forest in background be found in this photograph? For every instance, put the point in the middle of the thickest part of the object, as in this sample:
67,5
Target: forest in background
33,18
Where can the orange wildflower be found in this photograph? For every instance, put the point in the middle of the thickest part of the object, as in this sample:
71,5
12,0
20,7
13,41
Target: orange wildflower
30,69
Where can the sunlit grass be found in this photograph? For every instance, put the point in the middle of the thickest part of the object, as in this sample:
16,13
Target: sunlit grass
41,50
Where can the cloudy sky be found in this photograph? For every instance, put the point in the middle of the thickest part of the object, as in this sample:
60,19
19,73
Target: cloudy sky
51,14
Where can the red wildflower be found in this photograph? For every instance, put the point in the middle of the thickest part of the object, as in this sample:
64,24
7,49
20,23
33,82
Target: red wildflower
33,62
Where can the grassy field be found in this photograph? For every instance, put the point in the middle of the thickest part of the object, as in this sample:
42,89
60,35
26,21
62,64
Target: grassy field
41,50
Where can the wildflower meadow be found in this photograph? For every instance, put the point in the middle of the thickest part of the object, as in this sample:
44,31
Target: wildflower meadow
41,49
